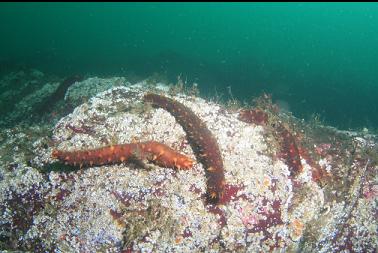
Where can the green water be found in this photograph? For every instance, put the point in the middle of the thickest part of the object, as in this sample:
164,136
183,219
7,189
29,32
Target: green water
314,58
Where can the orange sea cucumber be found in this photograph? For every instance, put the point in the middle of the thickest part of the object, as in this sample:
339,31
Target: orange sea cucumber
202,141
153,151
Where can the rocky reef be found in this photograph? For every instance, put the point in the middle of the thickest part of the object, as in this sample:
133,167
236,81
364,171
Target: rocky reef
289,185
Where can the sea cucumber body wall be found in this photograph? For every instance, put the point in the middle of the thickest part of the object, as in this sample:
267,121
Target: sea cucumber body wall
156,152
202,141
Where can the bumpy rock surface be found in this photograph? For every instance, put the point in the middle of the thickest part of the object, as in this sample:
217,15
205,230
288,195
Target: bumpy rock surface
140,207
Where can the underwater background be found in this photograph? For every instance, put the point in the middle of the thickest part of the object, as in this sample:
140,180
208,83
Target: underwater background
314,58
188,127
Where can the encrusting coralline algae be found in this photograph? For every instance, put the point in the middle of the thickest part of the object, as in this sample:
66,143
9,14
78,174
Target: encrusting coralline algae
139,206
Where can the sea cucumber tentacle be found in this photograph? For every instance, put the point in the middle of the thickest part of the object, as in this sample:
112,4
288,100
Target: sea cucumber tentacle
202,141
153,151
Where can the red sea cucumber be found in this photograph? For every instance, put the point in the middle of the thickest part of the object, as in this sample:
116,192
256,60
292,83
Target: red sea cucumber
202,141
153,151
289,150
256,116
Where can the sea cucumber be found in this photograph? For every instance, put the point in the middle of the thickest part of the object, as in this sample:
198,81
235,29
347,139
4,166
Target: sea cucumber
255,116
202,142
289,150
48,103
153,151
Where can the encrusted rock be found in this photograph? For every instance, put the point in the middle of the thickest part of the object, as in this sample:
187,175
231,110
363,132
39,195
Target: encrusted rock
141,207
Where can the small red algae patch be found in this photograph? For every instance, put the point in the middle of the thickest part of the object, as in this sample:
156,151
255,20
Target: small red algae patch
231,193
116,215
272,218
187,233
